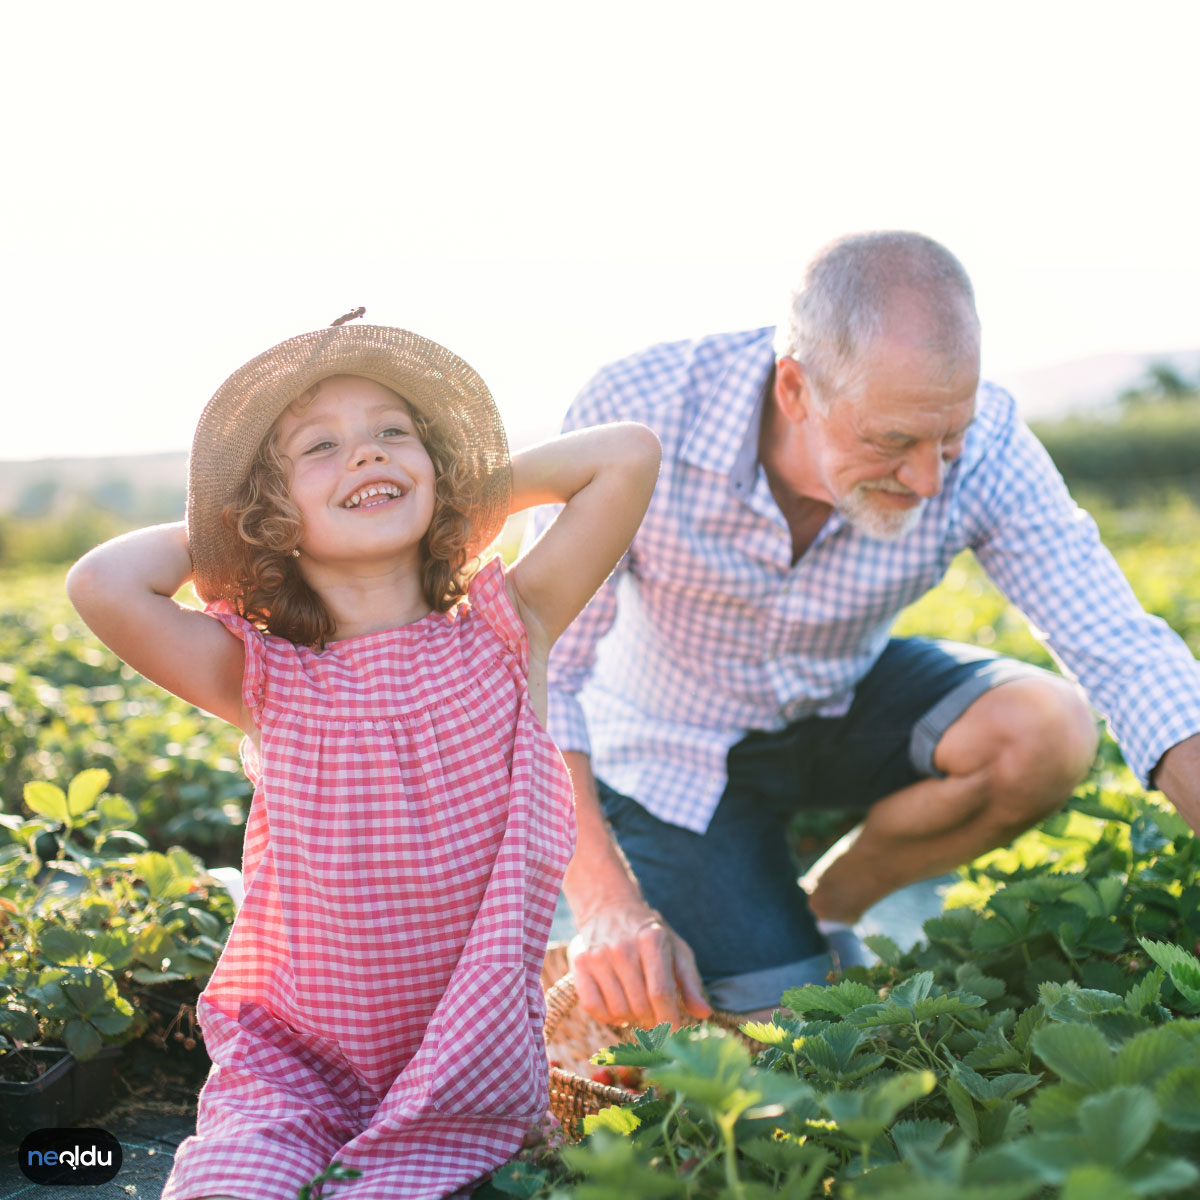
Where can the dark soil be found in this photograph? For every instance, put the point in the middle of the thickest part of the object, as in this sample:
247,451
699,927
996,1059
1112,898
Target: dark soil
20,1066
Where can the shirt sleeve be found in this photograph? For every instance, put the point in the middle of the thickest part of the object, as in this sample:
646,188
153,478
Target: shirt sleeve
254,678
574,654
1045,553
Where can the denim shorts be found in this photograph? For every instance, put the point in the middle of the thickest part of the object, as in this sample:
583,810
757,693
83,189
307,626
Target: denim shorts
732,893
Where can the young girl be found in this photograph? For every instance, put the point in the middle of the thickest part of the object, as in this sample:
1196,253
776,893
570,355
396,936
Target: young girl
378,1001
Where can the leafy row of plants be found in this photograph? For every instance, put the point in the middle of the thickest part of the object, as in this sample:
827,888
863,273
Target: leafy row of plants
1044,1039
104,939
68,704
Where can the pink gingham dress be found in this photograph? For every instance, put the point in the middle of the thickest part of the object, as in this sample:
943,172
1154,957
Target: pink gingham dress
378,1001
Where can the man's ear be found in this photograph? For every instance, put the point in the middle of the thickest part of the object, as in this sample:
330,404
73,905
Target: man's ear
792,392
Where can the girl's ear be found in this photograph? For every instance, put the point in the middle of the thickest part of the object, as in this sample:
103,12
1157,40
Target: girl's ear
792,391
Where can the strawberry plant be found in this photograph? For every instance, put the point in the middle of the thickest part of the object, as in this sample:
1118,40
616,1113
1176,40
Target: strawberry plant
67,704
95,926
1044,1039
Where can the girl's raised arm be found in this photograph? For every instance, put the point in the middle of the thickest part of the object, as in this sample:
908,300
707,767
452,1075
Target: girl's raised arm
123,589
604,477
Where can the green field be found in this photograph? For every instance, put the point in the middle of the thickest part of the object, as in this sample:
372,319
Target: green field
1031,1046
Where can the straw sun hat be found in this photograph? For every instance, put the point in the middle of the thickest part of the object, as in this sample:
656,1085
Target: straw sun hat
437,383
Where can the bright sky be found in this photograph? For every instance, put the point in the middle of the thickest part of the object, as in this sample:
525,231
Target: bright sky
545,186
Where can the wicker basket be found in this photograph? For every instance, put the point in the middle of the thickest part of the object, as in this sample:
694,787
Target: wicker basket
572,1037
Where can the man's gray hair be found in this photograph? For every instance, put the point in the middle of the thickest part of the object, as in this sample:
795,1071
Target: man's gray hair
839,308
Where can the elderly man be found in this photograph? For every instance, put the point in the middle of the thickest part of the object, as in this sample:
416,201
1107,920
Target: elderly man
738,668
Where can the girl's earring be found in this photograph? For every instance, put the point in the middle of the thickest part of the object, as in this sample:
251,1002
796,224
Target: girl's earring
296,552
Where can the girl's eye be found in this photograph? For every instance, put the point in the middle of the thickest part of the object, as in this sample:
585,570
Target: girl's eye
318,446
394,431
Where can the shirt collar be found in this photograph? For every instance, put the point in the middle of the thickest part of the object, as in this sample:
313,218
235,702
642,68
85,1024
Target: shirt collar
724,436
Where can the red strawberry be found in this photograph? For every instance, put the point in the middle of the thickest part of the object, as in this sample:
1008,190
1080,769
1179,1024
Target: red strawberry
630,1077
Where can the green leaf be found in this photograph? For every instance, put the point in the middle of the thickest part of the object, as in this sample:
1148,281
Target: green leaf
120,842
1146,993
964,1110
615,1119
707,1068
953,928
114,1022
1118,1123
1173,826
914,988
520,1179
145,975
1111,889
82,1039
1094,1182
1149,1056
153,944
833,1053
997,1088
1054,1109
615,1171
19,1024
1027,1025
777,1094
1155,1175
1076,1053
89,995
923,1134
1146,838
116,813
1181,965
954,1004
159,874
48,801
84,788
1091,807
646,1050
884,949
1178,1095
50,1000
971,979
781,1153
840,999
187,866
59,945
880,1016
766,1032
865,1114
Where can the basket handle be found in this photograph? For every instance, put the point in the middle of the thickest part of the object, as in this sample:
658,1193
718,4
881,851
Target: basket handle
561,998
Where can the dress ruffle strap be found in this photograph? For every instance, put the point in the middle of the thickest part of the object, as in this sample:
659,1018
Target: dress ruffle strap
255,676
489,597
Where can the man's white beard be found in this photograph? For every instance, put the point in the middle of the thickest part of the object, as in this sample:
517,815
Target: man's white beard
859,508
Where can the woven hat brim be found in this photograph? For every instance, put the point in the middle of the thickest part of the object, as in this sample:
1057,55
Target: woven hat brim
435,381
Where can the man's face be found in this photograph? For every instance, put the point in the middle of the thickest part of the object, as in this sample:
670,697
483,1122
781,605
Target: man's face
880,450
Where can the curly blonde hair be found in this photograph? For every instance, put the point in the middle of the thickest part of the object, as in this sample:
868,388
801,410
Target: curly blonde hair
272,592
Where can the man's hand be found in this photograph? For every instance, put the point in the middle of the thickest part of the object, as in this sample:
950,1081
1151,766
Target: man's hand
631,968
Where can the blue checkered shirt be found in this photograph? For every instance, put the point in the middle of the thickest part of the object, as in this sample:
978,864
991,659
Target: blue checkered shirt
707,630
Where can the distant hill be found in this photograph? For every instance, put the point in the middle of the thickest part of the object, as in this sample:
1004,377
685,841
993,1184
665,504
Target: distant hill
1087,383
152,487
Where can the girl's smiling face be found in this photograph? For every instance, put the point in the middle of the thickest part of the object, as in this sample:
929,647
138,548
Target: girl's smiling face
361,478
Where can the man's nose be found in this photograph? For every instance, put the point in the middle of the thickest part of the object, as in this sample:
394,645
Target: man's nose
923,470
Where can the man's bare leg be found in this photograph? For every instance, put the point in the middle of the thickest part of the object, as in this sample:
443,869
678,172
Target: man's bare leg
1012,758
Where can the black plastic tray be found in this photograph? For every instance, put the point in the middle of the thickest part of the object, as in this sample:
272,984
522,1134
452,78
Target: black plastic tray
65,1093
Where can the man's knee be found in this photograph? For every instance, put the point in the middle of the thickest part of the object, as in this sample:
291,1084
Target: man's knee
1033,737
